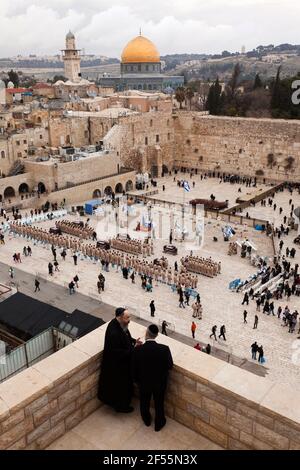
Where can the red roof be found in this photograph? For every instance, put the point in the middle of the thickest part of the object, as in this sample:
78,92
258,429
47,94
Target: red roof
17,90
41,85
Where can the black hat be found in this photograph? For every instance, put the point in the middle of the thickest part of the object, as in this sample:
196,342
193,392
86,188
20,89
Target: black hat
120,311
153,329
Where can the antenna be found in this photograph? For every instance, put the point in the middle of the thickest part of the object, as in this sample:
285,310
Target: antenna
140,31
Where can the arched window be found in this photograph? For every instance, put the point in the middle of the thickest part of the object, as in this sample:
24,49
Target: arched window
2,154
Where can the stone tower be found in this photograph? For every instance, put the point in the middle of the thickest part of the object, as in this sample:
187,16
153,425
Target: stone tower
71,59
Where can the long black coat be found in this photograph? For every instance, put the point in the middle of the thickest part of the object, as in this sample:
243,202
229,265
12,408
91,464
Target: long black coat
115,383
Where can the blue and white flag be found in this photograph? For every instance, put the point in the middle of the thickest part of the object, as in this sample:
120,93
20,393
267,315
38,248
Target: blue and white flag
186,186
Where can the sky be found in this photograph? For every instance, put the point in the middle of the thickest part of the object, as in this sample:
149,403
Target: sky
104,27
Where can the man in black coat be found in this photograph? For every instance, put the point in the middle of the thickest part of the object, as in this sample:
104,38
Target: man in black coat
151,363
115,383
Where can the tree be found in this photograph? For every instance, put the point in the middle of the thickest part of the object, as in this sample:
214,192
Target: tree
215,99
257,82
189,96
14,78
233,82
56,78
180,95
275,100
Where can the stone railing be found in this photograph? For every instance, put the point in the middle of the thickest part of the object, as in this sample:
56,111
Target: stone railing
228,405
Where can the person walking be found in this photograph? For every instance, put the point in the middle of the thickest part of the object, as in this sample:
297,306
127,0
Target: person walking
222,332
132,277
245,316
72,288
208,349
164,328
246,299
50,269
193,329
63,254
152,308
181,299
37,285
255,322
75,259
151,363
254,349
213,332
11,272
76,279
261,358
56,265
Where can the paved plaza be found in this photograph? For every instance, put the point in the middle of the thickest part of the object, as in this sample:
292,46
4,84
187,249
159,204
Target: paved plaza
220,305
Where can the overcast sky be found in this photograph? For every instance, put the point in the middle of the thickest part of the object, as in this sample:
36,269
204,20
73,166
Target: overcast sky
105,26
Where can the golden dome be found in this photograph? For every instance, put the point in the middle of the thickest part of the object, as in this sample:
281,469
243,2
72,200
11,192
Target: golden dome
140,49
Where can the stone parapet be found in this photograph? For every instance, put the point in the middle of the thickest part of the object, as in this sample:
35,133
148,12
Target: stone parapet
228,405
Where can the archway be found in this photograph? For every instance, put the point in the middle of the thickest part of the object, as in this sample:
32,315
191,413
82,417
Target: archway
165,170
108,191
23,188
41,188
9,192
96,194
129,185
119,188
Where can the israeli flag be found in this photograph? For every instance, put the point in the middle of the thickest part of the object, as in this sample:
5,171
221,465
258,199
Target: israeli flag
186,186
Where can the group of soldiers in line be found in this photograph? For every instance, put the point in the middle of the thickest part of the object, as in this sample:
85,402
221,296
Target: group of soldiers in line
157,269
136,247
75,229
232,248
45,237
205,266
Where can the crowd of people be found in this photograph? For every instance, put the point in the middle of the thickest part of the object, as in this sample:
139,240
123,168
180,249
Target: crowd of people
73,228
137,247
199,265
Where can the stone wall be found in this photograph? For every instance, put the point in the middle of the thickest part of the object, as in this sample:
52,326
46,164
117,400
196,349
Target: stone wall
239,145
228,405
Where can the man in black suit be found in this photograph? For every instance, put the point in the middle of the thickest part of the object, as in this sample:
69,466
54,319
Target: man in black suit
115,383
151,363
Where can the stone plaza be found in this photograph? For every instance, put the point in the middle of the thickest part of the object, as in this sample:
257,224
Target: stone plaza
220,304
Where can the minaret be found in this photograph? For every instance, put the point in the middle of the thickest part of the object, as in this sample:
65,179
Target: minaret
71,59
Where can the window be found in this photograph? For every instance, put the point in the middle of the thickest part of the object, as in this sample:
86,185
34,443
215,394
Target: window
19,154
147,68
169,135
86,134
146,140
157,138
41,136
25,142
151,123
2,154
18,142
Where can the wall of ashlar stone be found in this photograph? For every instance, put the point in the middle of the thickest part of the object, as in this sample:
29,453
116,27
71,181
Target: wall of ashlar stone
228,405
238,145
